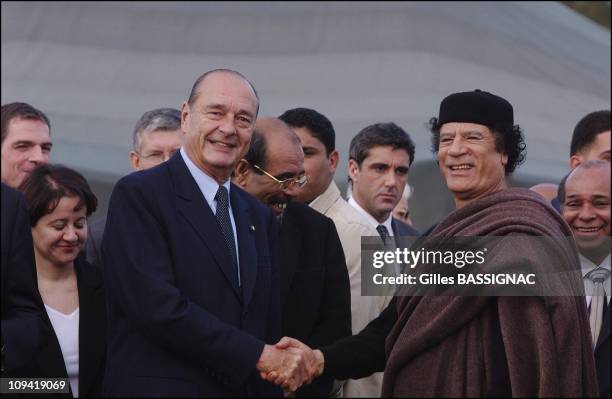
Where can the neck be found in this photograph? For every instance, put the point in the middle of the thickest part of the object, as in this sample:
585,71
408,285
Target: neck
218,174
53,272
461,201
597,256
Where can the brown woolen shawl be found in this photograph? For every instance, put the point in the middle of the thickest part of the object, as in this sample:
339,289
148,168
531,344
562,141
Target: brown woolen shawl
444,345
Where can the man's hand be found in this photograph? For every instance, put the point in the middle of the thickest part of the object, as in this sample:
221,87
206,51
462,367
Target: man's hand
284,367
312,363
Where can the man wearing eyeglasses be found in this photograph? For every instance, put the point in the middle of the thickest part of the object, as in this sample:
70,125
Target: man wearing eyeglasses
157,137
315,292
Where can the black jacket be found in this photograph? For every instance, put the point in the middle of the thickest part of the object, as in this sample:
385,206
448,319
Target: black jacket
315,288
92,337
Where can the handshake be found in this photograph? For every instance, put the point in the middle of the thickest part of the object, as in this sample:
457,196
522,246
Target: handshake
290,364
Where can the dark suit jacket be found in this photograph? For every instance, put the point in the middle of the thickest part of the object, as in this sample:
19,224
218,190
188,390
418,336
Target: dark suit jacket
402,229
95,232
603,353
315,288
92,337
24,330
179,325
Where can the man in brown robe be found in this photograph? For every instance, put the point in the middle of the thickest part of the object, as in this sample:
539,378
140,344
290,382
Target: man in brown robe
485,345
480,345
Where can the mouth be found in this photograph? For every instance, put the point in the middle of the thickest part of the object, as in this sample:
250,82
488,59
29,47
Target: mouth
463,166
222,144
588,230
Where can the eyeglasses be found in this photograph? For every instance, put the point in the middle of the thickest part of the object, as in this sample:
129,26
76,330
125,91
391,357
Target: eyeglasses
158,157
291,182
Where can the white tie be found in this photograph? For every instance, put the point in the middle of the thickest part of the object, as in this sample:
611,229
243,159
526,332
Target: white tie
597,276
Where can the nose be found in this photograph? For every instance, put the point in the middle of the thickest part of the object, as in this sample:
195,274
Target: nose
291,190
390,177
37,156
228,126
586,212
456,148
70,235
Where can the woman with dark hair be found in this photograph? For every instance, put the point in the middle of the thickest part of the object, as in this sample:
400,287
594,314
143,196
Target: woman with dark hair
59,201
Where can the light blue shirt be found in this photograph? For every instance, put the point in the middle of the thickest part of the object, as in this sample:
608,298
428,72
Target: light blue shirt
209,187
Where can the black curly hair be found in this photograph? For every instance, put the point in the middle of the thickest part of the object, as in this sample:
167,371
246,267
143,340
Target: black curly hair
509,140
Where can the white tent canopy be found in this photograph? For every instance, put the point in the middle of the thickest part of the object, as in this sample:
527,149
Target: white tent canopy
94,68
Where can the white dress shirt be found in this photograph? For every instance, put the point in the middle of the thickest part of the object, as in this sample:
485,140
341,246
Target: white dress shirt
370,218
209,187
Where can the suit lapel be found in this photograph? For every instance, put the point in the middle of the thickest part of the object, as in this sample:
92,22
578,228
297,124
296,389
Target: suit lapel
245,230
290,246
193,206
604,334
91,329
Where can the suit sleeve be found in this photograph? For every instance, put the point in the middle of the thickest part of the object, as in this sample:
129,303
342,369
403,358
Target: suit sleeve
140,280
24,330
360,355
334,321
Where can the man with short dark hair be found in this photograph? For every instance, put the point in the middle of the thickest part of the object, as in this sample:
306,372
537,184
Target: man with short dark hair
380,156
157,136
585,206
315,298
26,141
591,138
321,159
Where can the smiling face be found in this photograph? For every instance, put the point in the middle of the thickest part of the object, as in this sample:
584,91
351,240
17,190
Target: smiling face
60,235
587,208
284,160
469,161
379,182
219,124
27,145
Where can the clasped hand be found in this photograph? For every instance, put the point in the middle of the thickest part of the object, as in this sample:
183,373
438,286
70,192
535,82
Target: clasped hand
290,364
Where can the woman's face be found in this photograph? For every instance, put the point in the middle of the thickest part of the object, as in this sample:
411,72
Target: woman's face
60,235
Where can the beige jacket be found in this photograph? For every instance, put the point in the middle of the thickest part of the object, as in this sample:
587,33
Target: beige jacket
351,226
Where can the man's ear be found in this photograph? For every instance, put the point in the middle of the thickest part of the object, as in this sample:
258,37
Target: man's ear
334,157
575,160
134,160
353,170
184,114
504,159
241,173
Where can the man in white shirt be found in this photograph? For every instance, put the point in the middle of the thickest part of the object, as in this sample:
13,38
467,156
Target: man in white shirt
585,205
321,159
379,158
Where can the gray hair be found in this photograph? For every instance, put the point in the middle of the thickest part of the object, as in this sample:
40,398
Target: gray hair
157,120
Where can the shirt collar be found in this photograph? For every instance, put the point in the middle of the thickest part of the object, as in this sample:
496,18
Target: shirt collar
370,218
207,185
587,265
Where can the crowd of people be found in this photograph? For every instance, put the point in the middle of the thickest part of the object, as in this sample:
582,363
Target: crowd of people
229,263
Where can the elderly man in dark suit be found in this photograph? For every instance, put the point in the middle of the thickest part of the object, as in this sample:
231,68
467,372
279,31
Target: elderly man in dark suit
24,330
315,291
189,264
